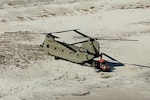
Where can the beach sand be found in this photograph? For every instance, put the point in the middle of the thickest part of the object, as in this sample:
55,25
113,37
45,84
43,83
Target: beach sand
28,73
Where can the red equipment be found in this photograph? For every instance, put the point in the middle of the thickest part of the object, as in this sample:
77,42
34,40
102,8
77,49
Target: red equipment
102,65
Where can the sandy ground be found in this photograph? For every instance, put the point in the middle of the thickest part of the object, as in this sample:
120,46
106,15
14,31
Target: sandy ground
27,73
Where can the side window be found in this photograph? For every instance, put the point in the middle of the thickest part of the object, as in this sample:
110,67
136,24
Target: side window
47,46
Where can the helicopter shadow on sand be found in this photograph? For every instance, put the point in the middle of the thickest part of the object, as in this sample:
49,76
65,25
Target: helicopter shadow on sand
112,62
115,63
119,64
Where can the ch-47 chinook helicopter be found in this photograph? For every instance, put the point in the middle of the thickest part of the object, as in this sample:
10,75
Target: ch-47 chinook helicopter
86,53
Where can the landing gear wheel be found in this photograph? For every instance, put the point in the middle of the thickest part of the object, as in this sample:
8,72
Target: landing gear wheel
83,63
95,64
56,58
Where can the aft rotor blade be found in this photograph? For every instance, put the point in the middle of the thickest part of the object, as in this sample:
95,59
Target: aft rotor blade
109,57
98,38
138,65
115,39
79,42
118,63
124,63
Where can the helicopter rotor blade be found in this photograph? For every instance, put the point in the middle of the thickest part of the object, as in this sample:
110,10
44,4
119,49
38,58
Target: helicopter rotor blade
79,42
115,39
138,65
98,38
116,63
50,34
109,57
65,31
75,30
124,63
83,34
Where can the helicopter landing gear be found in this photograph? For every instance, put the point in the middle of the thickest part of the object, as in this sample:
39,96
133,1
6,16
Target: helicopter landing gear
57,58
82,64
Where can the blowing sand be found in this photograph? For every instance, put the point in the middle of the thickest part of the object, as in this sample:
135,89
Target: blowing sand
27,73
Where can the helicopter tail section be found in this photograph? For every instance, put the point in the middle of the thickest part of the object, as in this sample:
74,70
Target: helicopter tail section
92,47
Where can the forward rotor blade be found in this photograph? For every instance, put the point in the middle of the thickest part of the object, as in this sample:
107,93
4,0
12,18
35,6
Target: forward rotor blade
82,34
75,30
65,31
50,34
